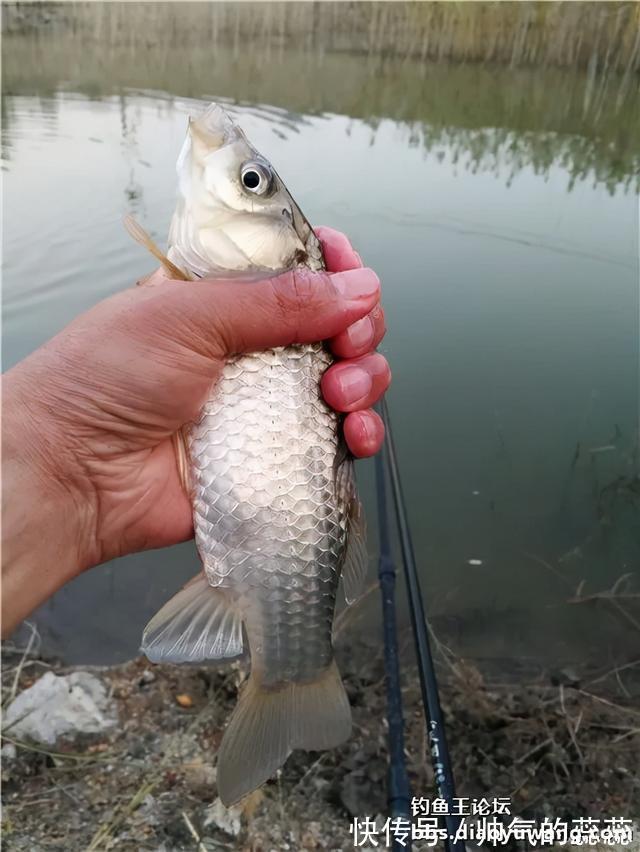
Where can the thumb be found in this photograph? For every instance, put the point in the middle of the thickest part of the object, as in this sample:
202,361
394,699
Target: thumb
222,317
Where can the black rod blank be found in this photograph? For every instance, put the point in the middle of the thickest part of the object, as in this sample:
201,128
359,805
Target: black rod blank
428,683
398,787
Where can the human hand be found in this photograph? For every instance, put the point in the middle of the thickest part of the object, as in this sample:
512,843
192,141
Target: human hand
361,376
90,469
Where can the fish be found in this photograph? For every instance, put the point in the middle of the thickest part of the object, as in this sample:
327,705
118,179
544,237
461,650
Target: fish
277,519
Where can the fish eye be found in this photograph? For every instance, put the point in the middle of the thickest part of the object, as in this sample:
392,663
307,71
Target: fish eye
256,178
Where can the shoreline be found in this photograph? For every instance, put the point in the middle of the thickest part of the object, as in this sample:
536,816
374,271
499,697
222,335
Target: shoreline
558,750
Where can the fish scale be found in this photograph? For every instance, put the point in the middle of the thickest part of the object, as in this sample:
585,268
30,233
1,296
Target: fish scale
268,512
276,518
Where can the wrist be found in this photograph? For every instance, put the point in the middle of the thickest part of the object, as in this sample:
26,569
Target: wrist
48,510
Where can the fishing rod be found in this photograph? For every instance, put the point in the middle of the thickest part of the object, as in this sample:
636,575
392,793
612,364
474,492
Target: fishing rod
398,787
439,749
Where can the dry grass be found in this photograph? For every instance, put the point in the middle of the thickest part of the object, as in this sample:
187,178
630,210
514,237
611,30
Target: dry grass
600,35
566,748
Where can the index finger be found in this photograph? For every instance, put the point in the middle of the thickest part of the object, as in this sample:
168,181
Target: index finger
339,254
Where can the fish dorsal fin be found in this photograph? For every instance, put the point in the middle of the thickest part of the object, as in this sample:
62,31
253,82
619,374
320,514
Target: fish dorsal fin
197,624
356,561
138,233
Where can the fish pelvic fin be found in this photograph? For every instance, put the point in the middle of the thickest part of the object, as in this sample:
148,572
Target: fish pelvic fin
198,624
268,724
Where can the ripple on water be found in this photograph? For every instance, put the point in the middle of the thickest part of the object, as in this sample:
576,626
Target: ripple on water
501,325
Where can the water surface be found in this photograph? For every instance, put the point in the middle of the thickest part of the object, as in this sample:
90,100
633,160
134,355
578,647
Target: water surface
500,208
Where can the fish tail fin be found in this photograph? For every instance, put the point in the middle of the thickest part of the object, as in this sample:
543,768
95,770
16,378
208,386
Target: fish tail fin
268,724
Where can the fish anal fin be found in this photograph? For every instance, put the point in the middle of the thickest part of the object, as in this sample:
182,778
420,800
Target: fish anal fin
199,623
268,724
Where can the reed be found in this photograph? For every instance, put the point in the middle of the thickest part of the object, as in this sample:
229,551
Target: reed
599,36
368,61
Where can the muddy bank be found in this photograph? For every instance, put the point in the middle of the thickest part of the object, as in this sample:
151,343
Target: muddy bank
563,745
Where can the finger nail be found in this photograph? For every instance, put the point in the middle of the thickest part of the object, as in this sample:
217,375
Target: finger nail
368,428
354,384
361,334
358,258
356,284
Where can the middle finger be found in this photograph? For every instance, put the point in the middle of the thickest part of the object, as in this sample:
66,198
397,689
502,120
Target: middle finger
356,383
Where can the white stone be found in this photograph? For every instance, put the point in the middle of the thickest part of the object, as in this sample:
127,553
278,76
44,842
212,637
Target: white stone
8,751
226,819
57,705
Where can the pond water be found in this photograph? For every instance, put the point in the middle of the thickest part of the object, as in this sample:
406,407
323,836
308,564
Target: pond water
499,207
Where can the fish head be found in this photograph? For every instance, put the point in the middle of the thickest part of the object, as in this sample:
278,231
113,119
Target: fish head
234,212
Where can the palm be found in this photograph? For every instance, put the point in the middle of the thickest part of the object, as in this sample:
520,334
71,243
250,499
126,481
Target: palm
144,503
89,417
143,391
155,374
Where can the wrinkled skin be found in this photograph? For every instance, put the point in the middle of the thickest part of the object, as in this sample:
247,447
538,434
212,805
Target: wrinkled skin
89,466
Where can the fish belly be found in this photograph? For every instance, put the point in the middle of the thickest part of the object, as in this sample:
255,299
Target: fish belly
270,519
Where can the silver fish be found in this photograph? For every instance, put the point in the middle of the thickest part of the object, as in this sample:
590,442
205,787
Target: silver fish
276,516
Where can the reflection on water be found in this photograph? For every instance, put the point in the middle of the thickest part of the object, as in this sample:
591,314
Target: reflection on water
499,206
519,116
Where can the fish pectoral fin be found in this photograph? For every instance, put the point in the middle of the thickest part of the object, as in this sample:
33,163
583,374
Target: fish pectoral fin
182,459
268,724
198,624
356,561
142,237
